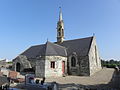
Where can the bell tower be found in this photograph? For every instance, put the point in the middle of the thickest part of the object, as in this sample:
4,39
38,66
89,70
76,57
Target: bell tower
60,28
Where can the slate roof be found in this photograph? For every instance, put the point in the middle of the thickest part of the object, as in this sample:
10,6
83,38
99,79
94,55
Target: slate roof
80,46
33,51
53,49
48,49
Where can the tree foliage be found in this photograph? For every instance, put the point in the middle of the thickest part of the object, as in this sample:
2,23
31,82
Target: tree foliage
110,63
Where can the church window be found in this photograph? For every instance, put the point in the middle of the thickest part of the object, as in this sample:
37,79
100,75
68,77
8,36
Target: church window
96,54
53,64
62,32
73,62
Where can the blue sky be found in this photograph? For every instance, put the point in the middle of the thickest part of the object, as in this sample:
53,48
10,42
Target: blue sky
24,23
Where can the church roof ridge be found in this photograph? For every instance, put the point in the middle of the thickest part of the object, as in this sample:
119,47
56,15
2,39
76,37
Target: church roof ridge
37,45
63,41
79,38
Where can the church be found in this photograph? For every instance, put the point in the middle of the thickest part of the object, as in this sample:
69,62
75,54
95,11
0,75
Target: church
78,57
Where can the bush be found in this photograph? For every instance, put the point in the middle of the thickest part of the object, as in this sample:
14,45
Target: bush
110,65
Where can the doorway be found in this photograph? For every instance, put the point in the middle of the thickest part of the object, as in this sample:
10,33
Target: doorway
18,67
63,67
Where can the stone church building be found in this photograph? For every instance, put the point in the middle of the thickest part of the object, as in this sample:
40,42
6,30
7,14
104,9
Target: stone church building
72,57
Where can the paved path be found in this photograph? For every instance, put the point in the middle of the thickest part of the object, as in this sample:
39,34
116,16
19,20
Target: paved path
100,80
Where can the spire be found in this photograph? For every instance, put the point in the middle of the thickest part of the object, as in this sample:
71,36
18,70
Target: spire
60,28
60,15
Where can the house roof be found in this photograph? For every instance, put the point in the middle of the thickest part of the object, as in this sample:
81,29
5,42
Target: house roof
79,46
48,49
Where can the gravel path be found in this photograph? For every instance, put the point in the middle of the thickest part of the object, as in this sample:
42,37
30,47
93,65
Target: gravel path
102,77
98,81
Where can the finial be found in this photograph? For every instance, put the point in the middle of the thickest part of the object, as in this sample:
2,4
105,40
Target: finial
60,7
60,16
47,39
93,34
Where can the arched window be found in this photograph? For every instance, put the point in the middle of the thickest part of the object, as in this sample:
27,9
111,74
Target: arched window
73,62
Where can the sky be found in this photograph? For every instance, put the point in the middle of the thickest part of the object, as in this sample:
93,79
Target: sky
24,23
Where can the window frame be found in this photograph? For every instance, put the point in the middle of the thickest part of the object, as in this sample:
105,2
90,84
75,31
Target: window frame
52,64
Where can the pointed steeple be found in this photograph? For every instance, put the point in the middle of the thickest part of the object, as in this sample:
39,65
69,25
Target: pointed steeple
60,28
60,15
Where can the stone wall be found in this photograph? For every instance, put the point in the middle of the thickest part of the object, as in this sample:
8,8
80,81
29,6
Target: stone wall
94,59
33,61
57,71
73,70
84,66
24,63
40,68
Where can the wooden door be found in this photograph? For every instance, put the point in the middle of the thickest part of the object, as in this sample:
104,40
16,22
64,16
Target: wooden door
63,67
